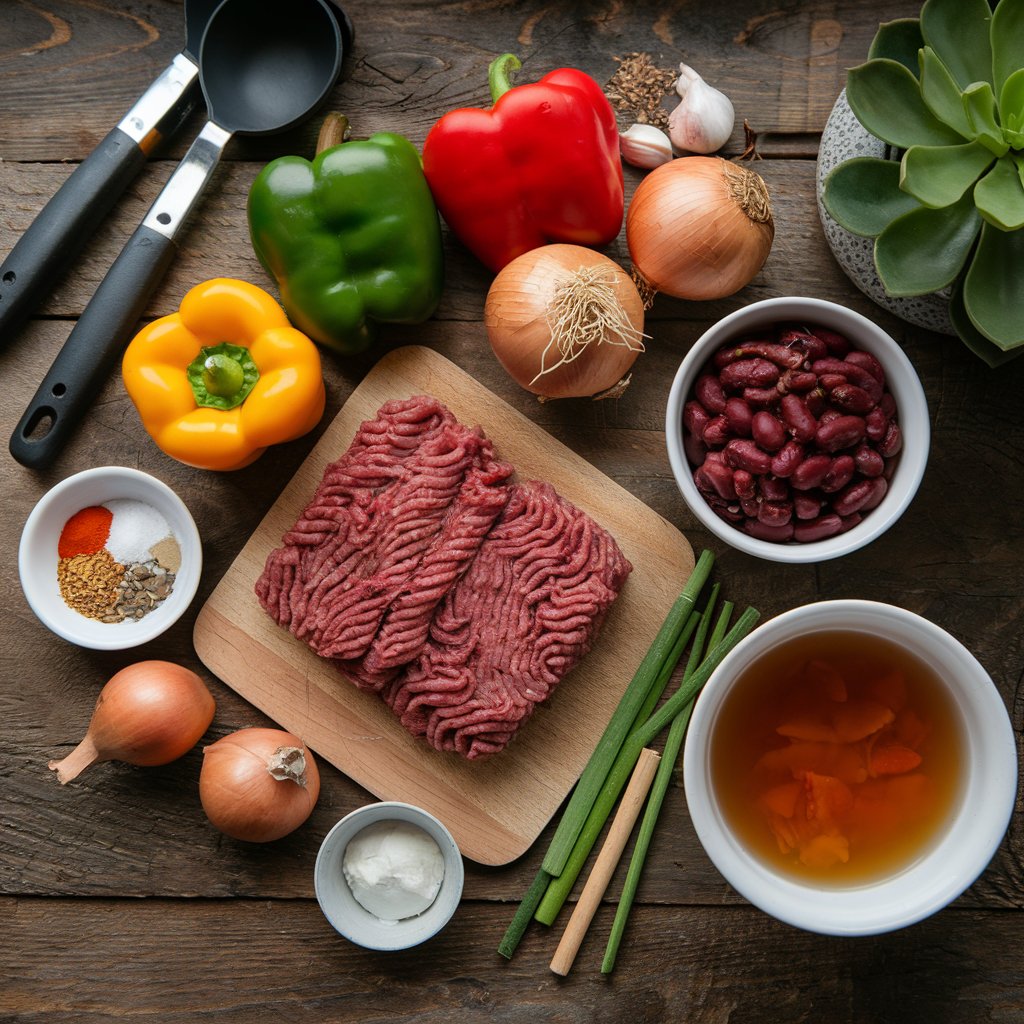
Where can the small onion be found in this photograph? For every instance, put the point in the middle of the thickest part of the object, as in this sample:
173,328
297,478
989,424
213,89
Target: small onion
258,784
565,322
699,227
150,713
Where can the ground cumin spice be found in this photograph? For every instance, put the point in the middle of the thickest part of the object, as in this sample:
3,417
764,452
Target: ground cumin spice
90,583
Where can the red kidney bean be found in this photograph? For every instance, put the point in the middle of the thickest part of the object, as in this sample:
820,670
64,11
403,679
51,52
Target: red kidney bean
748,373
761,398
891,444
852,498
731,513
778,534
739,416
890,468
796,380
853,373
797,417
836,343
843,432
695,417
818,529
745,483
829,415
715,478
817,401
851,398
868,362
744,454
868,461
887,404
750,506
773,489
813,348
780,355
876,423
879,487
839,474
767,431
717,432
810,472
789,456
806,506
828,381
716,456
695,449
849,522
775,513
708,391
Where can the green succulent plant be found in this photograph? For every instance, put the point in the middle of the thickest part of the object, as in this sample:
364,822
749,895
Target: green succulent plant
946,90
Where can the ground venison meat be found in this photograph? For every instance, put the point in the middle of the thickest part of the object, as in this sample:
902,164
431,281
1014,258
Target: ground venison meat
424,575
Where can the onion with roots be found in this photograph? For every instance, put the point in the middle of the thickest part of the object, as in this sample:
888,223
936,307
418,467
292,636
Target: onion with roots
565,322
699,227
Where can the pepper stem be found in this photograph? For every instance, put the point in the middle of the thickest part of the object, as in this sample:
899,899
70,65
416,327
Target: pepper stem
222,375
499,74
333,132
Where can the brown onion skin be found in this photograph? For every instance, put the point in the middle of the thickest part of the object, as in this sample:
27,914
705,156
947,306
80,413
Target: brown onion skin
242,799
518,332
688,237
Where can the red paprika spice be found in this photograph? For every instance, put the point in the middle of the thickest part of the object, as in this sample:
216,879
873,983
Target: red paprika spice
86,532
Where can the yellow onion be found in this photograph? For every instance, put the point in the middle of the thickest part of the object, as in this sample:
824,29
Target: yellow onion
258,784
150,713
699,227
565,322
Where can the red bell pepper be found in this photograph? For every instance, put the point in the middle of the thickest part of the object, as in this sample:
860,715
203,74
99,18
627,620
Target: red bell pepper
542,165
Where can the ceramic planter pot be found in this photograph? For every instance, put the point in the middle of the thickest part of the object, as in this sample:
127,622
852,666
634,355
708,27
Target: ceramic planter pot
844,138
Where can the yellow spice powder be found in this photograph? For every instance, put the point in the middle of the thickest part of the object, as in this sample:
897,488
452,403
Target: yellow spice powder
89,583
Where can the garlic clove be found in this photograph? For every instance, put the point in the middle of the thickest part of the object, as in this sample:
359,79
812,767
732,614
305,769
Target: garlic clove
643,145
703,120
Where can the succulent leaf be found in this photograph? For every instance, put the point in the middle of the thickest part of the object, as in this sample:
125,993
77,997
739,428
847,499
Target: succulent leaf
971,336
1007,31
1011,108
941,93
980,106
994,287
864,196
898,40
999,196
940,175
958,31
886,98
925,249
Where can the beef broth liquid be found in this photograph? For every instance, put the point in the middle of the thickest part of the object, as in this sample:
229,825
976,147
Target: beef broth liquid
836,758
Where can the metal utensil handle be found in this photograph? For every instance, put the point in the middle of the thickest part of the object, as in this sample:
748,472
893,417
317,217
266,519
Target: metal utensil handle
69,219
93,347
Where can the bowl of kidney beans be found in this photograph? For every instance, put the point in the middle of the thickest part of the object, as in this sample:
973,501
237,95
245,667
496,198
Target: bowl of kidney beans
797,430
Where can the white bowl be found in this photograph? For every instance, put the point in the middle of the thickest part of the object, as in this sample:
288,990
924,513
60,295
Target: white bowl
954,860
901,380
350,918
37,556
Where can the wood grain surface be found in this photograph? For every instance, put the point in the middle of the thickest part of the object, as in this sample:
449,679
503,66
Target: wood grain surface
121,902
495,808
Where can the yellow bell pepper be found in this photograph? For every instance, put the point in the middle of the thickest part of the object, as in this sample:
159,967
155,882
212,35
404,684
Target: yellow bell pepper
224,378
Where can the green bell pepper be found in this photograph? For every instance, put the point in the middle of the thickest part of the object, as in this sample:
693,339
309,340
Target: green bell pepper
353,239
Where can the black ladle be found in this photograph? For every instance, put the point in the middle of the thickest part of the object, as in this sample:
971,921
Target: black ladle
264,66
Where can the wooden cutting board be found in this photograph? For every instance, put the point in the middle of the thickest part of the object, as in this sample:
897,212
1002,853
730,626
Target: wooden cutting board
495,809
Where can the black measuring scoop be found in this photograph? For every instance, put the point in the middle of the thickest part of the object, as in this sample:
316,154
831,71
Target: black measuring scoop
73,213
264,66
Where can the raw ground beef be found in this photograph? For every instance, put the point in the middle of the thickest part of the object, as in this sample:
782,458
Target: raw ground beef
424,575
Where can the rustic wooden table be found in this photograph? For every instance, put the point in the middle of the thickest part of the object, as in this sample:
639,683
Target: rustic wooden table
121,901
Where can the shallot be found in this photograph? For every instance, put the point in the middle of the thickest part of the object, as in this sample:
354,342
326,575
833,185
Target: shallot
150,713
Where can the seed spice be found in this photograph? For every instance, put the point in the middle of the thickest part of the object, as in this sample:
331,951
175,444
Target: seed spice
638,88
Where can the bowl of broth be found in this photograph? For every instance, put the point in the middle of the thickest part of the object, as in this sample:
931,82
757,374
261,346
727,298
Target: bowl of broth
850,768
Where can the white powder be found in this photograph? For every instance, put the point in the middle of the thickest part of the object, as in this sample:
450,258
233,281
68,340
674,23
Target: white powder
135,528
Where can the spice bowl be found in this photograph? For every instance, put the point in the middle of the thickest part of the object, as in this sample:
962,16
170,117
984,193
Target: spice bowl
348,916
740,513
143,514
910,836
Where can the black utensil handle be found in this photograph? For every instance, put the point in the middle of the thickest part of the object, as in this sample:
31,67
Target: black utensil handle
92,350
63,226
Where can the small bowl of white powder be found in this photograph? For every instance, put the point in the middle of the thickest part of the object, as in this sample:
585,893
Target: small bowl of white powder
388,876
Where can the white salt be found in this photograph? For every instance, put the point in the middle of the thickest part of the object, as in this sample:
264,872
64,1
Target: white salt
134,529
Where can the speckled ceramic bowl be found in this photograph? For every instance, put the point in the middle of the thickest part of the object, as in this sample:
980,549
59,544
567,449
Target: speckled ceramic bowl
38,558
350,918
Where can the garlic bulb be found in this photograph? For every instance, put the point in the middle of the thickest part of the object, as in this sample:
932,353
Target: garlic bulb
703,120
643,145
